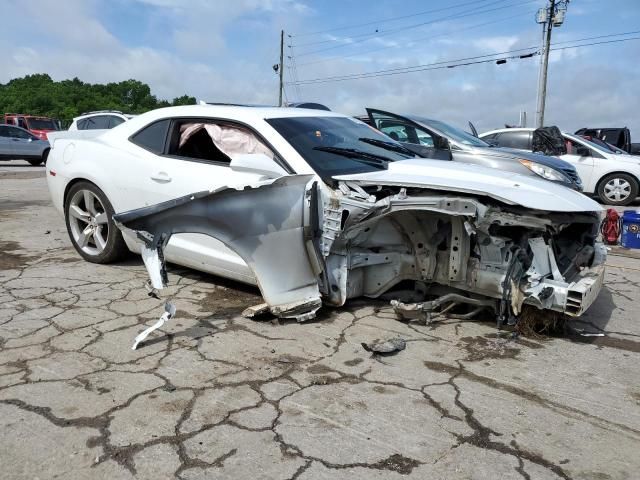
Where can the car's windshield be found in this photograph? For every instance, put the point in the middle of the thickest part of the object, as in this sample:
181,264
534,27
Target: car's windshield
453,133
589,144
41,124
338,145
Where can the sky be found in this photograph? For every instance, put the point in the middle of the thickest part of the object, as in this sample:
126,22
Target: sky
224,51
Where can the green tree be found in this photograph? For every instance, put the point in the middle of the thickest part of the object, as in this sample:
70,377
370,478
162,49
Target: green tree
38,94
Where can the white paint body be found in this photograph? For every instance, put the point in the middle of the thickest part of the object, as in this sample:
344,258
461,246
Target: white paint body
133,177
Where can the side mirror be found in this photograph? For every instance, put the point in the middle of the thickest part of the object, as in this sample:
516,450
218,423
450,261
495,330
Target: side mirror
583,151
257,163
442,143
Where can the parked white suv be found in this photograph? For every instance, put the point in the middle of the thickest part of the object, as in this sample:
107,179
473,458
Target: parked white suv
100,120
611,176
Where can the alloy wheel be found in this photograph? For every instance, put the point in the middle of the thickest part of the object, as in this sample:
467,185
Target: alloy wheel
89,222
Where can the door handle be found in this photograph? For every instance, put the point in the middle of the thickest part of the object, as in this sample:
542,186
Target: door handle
162,177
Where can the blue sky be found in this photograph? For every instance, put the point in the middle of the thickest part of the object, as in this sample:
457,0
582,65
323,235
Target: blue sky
224,51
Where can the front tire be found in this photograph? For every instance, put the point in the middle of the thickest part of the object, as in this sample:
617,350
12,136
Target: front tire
618,189
89,218
35,162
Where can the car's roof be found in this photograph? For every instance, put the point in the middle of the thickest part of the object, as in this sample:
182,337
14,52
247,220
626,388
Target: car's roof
238,111
242,114
104,112
514,129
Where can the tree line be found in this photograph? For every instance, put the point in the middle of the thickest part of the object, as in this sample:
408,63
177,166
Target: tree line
38,94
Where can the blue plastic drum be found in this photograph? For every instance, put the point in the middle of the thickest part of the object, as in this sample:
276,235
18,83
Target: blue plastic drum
631,229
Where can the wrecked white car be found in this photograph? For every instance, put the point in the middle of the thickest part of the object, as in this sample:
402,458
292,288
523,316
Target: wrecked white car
316,207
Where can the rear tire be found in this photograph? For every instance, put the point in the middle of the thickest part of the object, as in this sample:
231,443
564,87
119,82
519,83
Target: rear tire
35,163
618,189
89,218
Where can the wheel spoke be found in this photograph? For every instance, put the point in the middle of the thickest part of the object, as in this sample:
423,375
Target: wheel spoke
89,202
101,218
76,212
85,236
101,242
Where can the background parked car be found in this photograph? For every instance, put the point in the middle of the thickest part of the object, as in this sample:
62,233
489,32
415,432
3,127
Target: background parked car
37,125
619,137
19,144
613,177
99,120
438,140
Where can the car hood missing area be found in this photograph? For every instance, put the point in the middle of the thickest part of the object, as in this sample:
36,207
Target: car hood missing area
507,187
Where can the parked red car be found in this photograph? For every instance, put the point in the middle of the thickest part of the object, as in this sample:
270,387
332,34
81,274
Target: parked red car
37,125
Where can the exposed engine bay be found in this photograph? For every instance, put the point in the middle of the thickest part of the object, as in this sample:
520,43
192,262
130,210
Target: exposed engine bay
455,253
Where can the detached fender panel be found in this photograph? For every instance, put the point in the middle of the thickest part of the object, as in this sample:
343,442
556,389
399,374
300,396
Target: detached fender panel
263,224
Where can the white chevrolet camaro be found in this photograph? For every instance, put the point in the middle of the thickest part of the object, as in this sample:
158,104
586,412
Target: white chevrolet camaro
314,206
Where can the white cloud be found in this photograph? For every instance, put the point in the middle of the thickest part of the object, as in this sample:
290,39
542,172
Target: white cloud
496,44
200,58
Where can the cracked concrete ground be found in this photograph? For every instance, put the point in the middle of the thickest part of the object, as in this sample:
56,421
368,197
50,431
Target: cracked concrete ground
215,395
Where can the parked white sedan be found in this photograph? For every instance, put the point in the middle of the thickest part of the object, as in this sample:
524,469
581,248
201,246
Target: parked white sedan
611,176
316,206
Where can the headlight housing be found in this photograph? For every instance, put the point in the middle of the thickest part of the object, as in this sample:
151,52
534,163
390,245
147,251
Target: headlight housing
545,172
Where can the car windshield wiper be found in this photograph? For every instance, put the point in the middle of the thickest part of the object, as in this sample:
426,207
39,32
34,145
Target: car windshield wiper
394,147
358,155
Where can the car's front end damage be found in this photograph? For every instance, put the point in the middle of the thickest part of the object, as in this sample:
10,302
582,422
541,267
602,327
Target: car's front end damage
460,251
430,249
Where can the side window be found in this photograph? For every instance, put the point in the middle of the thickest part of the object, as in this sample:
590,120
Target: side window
518,140
574,148
82,124
98,122
424,137
4,131
22,122
212,141
402,132
114,121
18,133
397,132
152,137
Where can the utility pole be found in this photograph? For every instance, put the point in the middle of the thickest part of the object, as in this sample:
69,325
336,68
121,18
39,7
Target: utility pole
281,68
551,16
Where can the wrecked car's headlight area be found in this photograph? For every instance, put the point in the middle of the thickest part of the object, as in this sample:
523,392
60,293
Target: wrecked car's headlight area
460,254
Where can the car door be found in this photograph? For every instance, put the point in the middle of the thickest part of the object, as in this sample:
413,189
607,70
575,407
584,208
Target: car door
582,157
415,137
6,143
25,145
182,166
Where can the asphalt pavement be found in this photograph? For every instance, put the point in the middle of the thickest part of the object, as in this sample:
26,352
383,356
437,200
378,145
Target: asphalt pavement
216,395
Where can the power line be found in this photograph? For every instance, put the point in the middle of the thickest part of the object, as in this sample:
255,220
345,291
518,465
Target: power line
385,20
595,43
422,39
416,68
451,64
413,26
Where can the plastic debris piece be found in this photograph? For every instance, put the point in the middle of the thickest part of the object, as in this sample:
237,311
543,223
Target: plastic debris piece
255,310
169,312
385,346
